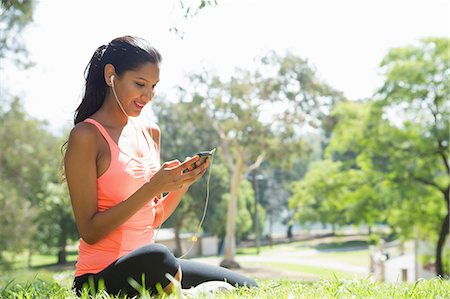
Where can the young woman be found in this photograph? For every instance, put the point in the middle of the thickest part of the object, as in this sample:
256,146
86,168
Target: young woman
116,182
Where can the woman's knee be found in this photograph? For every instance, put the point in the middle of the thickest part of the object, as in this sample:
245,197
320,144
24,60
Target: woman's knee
152,261
156,256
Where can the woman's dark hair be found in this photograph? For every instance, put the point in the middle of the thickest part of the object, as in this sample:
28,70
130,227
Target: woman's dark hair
124,53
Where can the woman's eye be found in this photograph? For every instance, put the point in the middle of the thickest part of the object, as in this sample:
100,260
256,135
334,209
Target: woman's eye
153,87
140,84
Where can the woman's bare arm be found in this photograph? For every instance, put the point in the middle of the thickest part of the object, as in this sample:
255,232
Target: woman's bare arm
167,205
81,173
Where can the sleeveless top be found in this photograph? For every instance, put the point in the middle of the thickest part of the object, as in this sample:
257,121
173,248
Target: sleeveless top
124,176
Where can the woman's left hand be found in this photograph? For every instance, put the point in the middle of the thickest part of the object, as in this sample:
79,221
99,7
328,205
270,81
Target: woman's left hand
200,168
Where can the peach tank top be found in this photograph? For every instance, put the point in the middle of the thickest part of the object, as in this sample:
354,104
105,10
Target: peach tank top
124,176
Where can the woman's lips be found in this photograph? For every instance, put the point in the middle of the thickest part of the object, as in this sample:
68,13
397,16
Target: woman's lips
139,105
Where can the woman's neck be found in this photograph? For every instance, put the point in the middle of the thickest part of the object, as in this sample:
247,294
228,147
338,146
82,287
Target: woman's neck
110,113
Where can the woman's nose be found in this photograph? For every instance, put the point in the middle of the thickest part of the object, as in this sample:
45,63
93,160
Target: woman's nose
147,96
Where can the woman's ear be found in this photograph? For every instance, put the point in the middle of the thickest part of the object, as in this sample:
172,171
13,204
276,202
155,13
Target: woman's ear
108,73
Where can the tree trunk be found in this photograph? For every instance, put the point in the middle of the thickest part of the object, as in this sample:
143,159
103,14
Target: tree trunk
30,254
442,236
256,218
270,229
177,231
62,254
230,241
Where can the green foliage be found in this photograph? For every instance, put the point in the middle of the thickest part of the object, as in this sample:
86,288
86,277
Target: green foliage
35,205
56,224
255,116
189,11
292,83
258,115
417,87
244,221
23,157
16,220
183,136
383,169
14,17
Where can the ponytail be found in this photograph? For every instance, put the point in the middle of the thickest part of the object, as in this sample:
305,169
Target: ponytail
95,87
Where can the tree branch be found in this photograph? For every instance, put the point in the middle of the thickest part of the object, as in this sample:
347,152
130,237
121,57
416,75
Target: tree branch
224,142
427,182
257,163
441,149
444,159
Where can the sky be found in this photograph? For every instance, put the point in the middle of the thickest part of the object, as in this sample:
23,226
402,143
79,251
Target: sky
344,41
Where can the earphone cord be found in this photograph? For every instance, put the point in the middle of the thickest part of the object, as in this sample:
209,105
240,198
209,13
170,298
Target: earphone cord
117,98
197,232
195,237
123,110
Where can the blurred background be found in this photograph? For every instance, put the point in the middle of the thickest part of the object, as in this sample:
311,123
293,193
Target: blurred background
330,119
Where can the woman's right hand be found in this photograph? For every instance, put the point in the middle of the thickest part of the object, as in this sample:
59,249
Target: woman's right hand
170,176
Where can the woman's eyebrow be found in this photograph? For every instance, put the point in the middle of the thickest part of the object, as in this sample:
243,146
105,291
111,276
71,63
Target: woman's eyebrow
142,78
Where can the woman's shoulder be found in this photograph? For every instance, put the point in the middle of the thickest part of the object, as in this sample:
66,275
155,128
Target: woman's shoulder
151,127
154,128
83,132
83,142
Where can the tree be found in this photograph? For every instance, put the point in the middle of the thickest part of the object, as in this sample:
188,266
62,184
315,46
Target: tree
55,221
190,11
16,225
378,168
278,182
182,136
14,17
344,187
417,86
235,109
26,151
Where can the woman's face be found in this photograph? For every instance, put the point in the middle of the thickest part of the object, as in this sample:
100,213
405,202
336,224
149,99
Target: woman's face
135,88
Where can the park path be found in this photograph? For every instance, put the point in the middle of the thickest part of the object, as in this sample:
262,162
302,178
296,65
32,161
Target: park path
297,257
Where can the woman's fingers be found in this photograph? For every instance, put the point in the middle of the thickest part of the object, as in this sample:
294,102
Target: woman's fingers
171,164
191,176
188,162
182,179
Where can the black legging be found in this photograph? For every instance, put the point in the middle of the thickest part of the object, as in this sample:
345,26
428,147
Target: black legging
154,261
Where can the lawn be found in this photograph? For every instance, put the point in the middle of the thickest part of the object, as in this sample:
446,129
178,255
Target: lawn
312,281
276,289
20,261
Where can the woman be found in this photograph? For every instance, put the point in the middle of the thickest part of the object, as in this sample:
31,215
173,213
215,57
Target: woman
116,183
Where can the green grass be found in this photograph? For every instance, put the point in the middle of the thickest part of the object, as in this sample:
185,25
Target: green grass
55,282
20,261
356,257
268,248
341,244
276,289
325,252
333,243
319,272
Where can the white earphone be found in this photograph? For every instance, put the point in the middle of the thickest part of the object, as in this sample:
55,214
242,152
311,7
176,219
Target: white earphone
197,233
115,95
